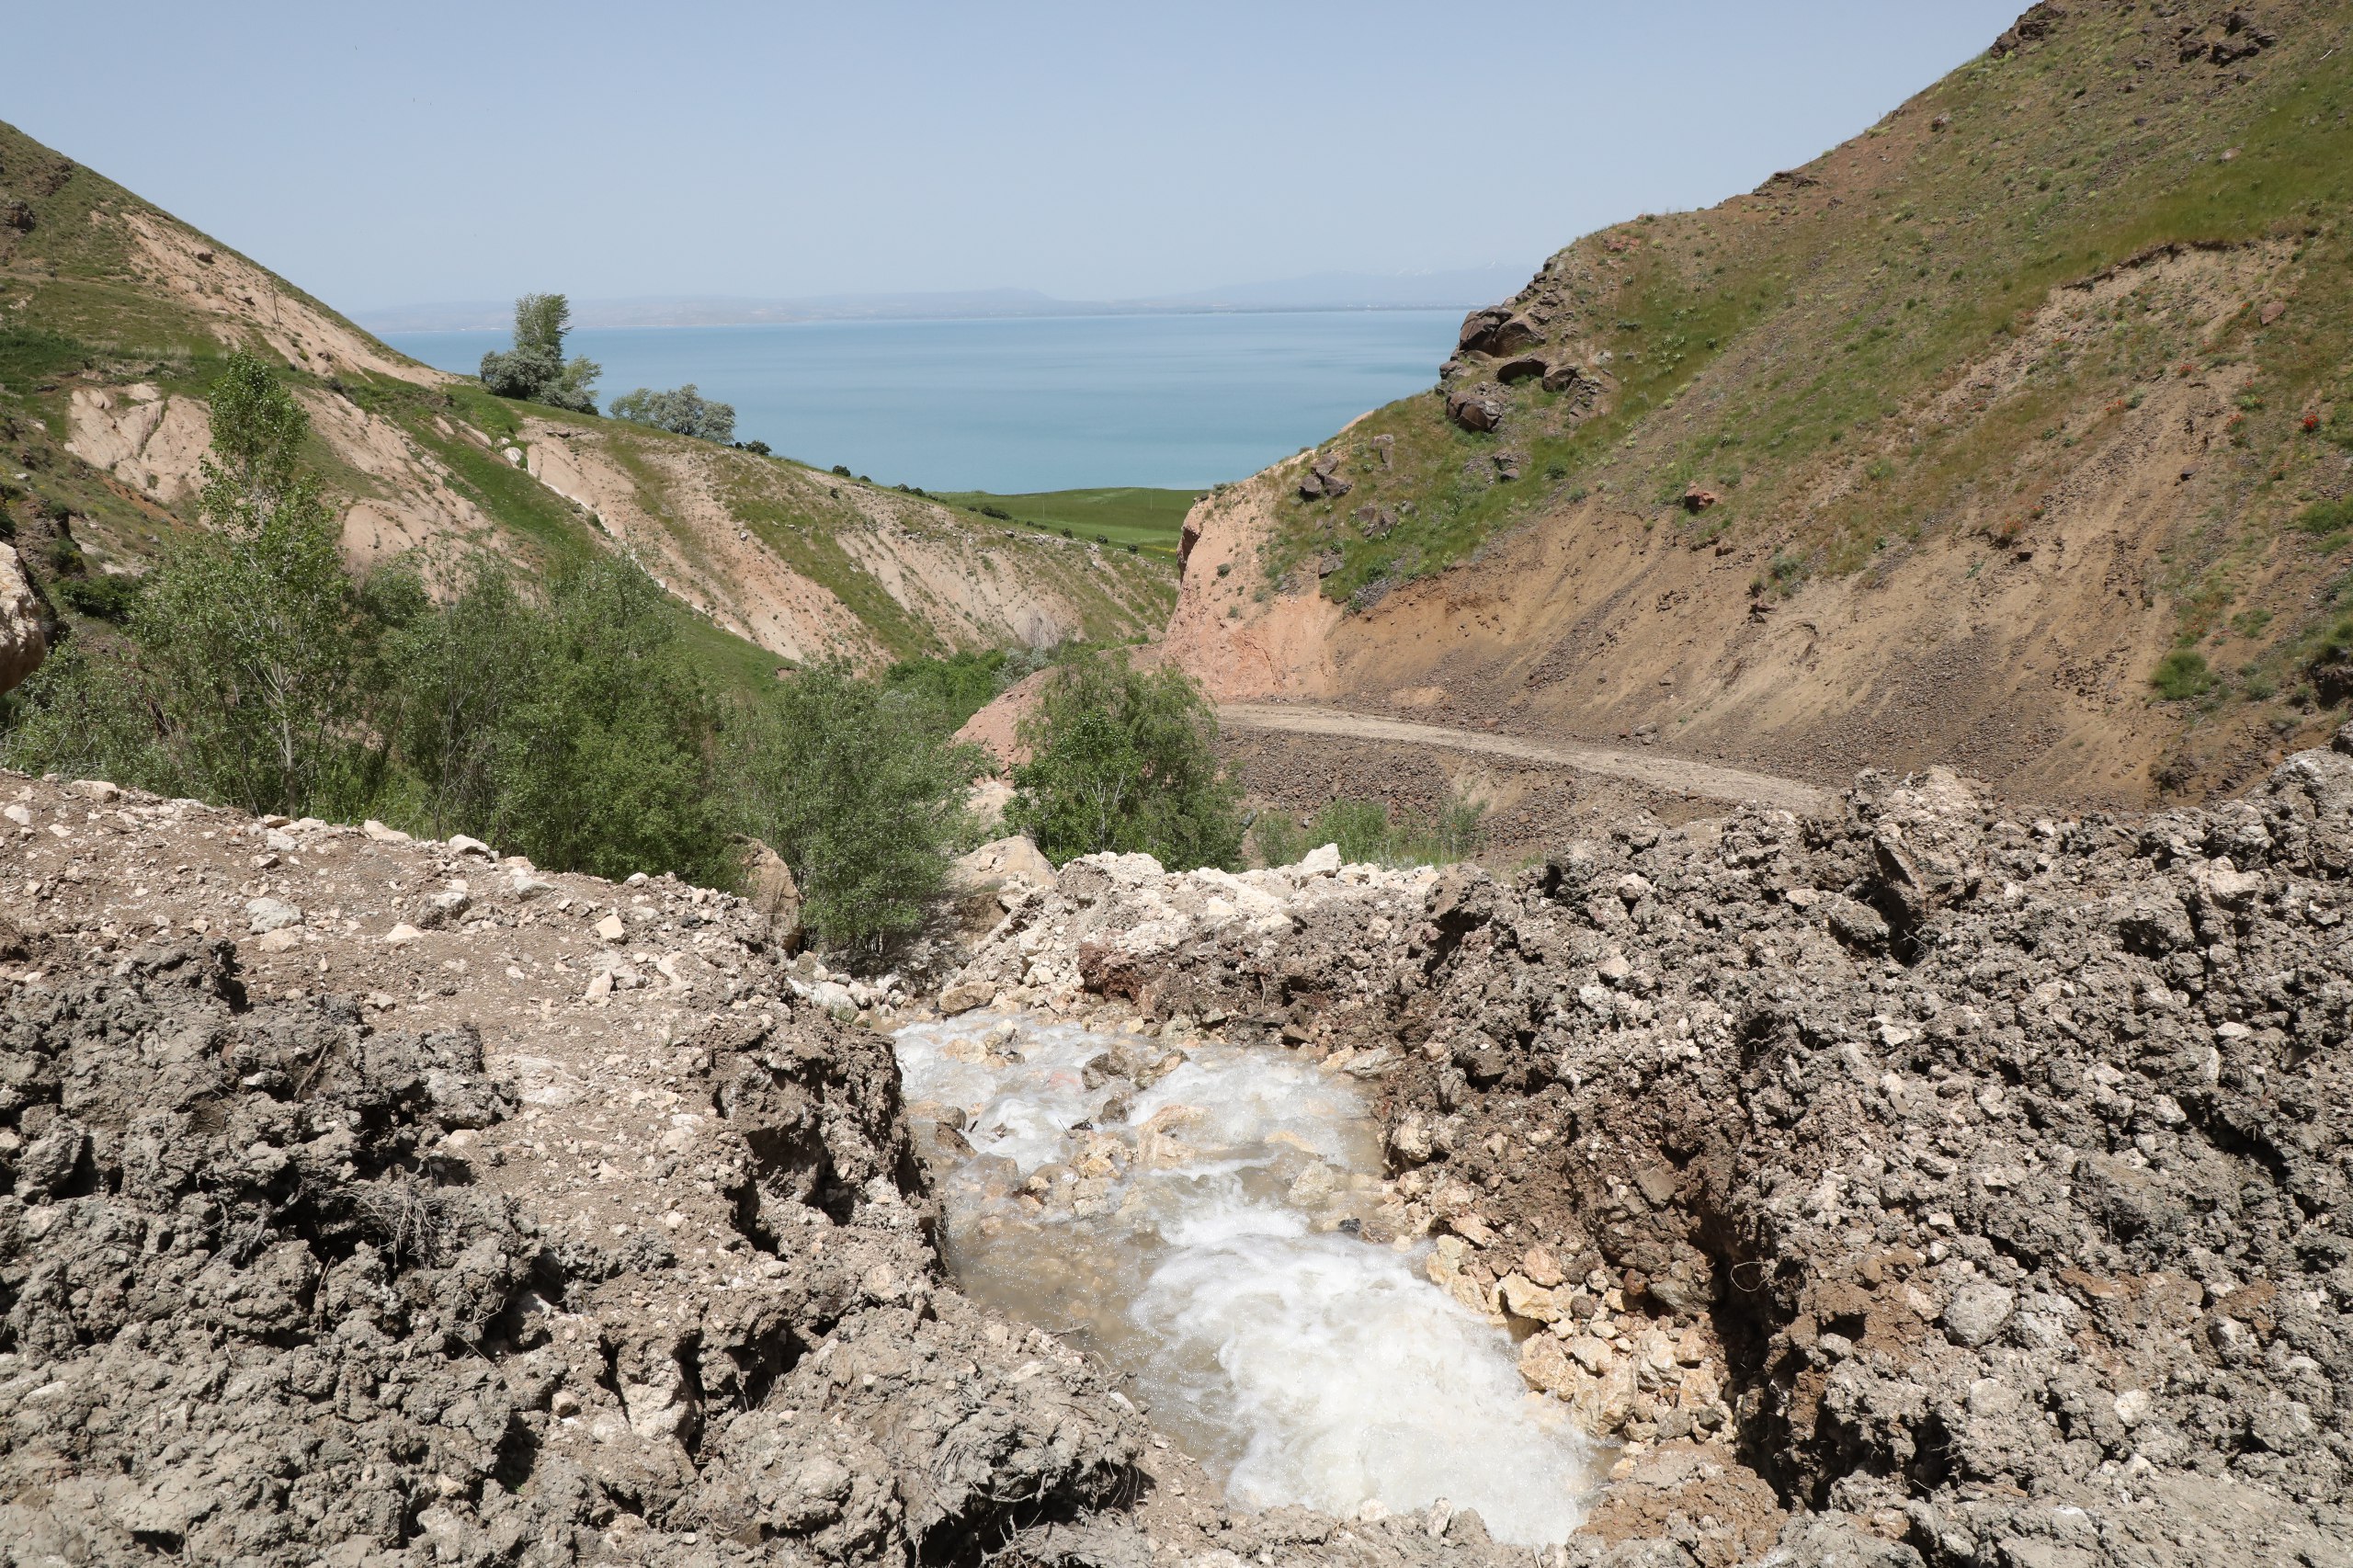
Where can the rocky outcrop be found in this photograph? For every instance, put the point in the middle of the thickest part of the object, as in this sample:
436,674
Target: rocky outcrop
23,641
1479,406
151,442
1497,330
1998,1164
1324,479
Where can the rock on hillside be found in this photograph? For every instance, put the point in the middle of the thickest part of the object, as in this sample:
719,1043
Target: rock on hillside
1930,452
1977,1186
23,642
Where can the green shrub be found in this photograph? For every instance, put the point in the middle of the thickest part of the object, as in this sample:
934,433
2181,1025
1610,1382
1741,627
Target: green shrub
954,688
682,411
2181,674
535,370
1125,759
856,788
253,671
101,597
2323,519
2330,662
245,678
603,750
1366,831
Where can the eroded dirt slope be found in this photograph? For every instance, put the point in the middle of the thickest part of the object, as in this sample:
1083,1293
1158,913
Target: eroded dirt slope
128,311
803,563
1934,450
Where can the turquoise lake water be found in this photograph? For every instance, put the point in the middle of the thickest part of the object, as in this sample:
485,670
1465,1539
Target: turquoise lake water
1054,404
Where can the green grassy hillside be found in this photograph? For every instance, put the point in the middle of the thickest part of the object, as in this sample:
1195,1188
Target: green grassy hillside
1790,374
105,296
1149,520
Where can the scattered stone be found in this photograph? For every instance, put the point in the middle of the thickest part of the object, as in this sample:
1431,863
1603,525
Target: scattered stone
271,913
965,998
1976,1313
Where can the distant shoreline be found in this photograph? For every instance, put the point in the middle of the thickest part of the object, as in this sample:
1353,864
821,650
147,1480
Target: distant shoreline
585,321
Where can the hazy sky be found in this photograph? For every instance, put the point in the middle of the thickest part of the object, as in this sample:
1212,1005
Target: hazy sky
396,153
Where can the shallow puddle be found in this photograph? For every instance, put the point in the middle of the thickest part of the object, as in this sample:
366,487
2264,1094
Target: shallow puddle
1195,1224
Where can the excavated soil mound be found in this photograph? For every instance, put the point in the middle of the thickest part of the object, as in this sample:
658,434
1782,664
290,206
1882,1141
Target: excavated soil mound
371,1201
1924,1186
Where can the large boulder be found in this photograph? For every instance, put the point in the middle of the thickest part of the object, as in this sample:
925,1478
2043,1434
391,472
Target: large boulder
1011,868
770,887
1478,407
1324,479
1497,331
23,644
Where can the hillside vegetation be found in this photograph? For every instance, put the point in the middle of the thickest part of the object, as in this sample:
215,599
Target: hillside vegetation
2014,431
1149,521
115,319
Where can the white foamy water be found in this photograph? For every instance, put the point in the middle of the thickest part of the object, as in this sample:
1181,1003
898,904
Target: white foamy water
1198,1233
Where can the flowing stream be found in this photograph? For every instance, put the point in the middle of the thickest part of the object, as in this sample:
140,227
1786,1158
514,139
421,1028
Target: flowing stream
1191,1214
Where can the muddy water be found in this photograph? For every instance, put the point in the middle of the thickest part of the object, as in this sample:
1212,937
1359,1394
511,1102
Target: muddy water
1192,1215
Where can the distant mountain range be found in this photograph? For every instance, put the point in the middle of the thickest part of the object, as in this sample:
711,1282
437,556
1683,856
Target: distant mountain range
1463,288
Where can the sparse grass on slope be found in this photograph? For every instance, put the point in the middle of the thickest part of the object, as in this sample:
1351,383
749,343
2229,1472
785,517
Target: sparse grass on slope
1754,343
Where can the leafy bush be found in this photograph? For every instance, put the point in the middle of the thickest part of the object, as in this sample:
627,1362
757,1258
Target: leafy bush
2326,519
535,370
861,796
102,597
682,411
1124,759
2182,674
955,687
1366,832
246,676
2330,662
604,757
253,671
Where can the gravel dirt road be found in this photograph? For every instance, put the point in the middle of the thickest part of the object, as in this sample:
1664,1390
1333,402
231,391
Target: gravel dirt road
1658,770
